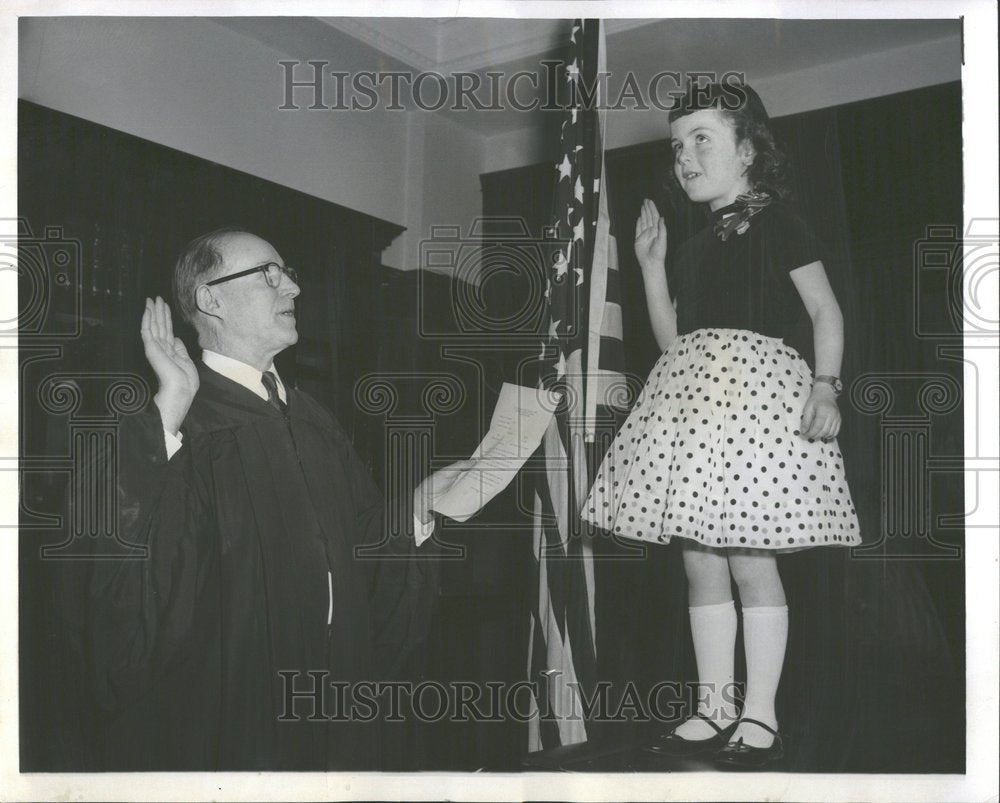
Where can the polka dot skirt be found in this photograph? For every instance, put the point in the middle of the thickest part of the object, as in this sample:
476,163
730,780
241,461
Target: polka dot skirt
710,452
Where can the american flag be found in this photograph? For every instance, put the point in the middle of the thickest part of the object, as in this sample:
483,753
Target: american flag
582,359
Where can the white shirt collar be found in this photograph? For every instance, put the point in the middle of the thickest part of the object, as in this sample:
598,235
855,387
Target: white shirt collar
241,373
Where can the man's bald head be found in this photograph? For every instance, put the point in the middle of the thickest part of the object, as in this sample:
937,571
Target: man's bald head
197,264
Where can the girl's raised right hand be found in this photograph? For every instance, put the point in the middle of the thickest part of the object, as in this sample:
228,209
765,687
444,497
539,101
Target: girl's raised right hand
650,237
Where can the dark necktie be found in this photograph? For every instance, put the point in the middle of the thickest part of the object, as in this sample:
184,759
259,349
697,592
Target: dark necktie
270,382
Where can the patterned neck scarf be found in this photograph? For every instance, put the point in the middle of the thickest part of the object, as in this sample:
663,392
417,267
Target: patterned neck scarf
736,216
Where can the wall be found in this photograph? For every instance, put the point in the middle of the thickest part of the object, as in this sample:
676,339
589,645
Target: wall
214,92
451,196
874,75
206,90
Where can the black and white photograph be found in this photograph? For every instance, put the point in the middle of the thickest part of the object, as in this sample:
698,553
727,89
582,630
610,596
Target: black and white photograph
574,401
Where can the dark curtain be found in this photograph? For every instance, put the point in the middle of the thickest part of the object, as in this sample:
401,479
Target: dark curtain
874,674
102,217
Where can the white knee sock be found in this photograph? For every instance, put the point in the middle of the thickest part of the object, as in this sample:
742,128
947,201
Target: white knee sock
713,629
765,634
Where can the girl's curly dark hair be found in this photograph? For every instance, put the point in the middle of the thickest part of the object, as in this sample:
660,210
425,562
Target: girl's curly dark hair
771,169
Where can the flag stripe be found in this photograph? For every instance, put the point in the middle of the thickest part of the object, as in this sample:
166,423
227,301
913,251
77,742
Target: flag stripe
541,730
611,329
614,289
612,355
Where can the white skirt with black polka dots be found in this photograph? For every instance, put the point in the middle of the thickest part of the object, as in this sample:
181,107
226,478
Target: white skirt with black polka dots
711,452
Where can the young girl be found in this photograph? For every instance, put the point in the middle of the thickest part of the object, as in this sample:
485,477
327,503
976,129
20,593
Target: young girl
731,446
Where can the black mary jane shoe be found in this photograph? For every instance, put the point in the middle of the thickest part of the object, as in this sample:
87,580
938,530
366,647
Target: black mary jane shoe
673,745
740,756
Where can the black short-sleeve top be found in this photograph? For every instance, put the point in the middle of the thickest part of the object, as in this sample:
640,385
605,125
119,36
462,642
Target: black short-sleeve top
743,282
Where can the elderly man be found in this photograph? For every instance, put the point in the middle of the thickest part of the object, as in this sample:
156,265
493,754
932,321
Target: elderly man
251,503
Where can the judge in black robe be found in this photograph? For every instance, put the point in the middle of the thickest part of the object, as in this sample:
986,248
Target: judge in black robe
252,576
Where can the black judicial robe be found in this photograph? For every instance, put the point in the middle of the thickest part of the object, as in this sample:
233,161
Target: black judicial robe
242,525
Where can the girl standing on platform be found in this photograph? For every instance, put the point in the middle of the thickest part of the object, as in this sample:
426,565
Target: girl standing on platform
731,446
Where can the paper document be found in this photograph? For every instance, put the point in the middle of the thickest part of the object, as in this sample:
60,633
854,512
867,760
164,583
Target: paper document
519,421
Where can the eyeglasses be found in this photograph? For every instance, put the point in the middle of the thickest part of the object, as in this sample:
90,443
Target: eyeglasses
272,274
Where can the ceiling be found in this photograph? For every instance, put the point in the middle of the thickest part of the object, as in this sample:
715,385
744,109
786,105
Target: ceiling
758,48
463,43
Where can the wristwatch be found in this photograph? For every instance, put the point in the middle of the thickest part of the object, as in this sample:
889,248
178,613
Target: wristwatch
838,386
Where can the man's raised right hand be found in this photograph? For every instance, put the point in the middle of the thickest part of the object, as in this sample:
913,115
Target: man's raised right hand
175,370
